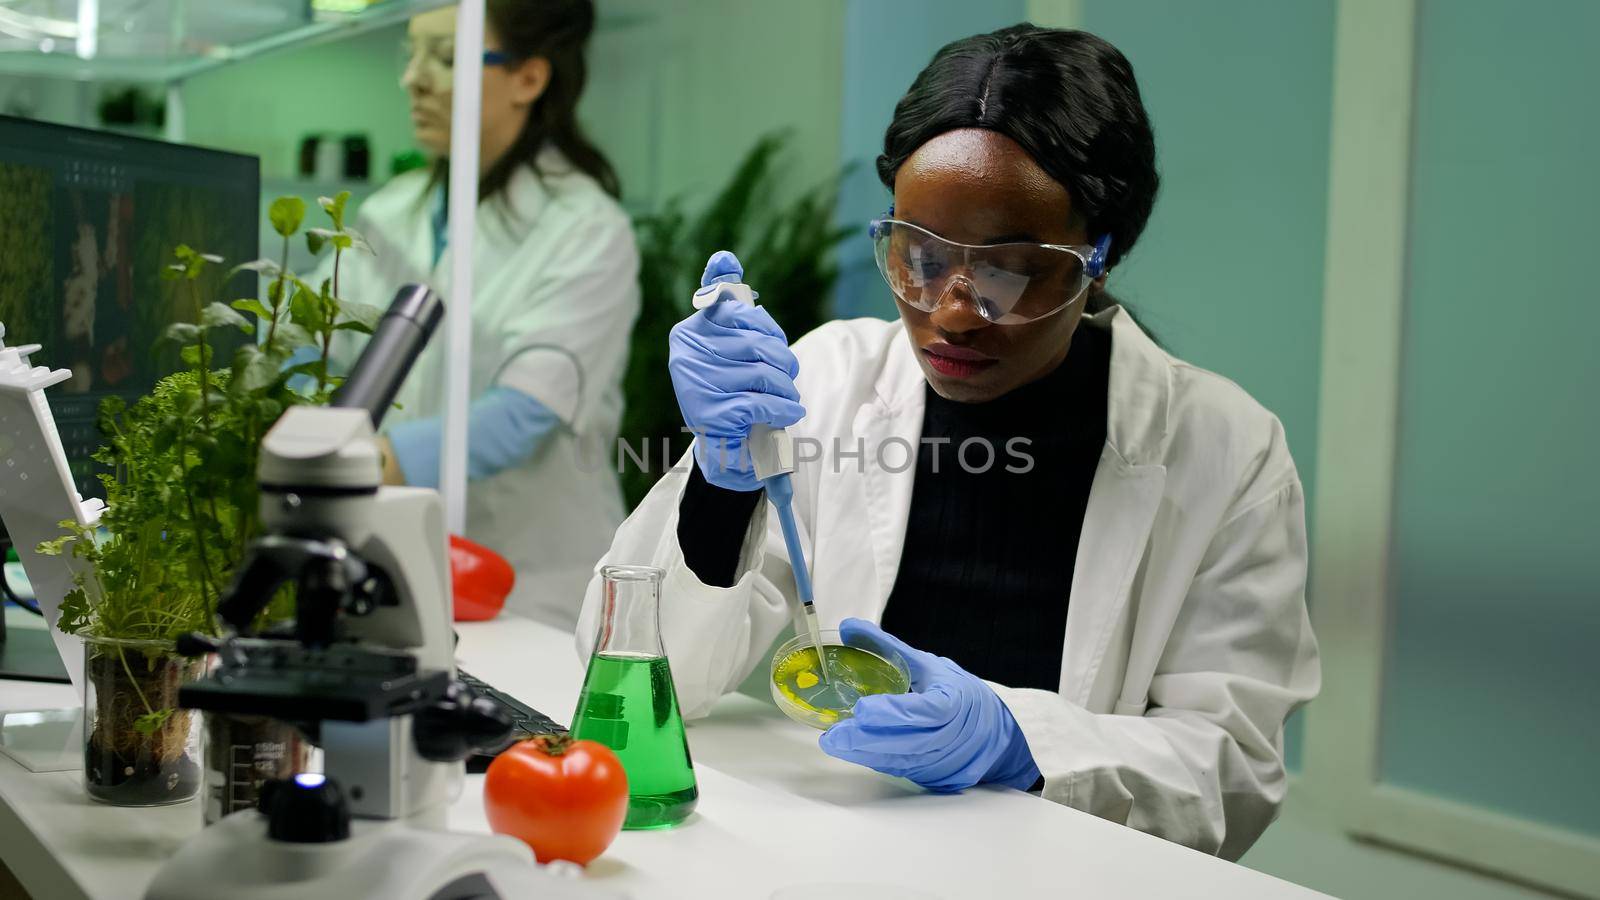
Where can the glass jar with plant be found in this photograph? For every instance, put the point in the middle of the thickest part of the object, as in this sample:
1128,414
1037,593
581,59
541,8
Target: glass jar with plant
182,507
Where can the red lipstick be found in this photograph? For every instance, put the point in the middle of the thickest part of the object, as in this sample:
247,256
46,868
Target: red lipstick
953,361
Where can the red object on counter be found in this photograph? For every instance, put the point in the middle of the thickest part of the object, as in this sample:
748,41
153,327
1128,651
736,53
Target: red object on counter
480,580
564,798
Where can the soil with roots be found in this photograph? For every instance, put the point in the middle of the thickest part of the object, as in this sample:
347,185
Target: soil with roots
127,766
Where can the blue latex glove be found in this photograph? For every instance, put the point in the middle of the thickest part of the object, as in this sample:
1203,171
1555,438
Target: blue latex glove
505,427
731,368
951,732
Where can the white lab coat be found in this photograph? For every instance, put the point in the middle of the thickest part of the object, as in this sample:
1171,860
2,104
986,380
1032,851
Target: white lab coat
555,297
1187,640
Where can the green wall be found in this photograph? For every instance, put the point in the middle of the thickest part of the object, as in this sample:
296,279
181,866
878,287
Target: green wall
877,72
680,89
1229,272
1490,681
265,106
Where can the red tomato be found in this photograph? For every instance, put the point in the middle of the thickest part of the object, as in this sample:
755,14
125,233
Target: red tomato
564,798
480,580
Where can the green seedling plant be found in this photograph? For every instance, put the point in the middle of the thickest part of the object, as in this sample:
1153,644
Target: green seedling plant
182,499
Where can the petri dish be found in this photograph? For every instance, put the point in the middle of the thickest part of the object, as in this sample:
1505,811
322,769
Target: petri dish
857,668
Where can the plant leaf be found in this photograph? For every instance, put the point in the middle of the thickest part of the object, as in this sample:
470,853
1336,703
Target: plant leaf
315,243
74,612
305,310
359,241
253,370
339,239
110,408
191,262
357,327
316,370
293,336
191,355
334,207
151,722
181,333
56,546
163,436
263,266
364,313
286,214
189,407
221,315
252,305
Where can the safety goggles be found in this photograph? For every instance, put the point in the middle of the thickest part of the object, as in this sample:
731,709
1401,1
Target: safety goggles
1008,284
435,60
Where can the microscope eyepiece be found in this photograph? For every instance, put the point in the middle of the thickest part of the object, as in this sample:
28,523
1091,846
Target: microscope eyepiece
399,339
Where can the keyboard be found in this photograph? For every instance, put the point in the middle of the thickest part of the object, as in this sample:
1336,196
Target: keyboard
526,720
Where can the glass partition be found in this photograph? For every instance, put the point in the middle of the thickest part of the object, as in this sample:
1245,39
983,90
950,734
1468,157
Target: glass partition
1489,686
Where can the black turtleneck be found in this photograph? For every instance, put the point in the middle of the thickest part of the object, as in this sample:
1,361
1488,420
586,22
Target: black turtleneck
987,564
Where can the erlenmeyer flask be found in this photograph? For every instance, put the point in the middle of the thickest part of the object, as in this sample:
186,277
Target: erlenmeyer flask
629,704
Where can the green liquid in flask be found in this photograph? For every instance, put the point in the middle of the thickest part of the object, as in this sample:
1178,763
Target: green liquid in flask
629,705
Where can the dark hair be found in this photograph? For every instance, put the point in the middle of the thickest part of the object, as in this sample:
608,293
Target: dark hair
1067,97
556,30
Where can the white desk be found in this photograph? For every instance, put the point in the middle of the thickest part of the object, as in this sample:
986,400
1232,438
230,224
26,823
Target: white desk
771,806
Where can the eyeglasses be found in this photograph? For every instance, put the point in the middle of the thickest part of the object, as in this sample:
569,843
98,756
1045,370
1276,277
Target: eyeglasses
1009,284
436,60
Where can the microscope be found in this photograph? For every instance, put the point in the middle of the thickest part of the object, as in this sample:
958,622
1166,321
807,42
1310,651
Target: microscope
365,668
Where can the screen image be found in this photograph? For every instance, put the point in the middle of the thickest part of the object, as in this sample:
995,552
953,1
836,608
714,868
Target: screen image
88,223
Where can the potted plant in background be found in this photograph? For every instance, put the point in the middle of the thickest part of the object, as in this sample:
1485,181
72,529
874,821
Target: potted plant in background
183,506
788,255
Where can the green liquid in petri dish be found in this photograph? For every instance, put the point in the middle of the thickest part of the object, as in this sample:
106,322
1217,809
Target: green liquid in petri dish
853,674
629,705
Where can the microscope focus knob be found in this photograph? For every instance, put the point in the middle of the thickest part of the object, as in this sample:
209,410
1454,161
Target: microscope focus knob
305,809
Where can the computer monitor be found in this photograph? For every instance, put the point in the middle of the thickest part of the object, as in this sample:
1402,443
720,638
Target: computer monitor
88,221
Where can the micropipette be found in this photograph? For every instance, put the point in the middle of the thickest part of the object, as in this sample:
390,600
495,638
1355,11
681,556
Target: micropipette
772,455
